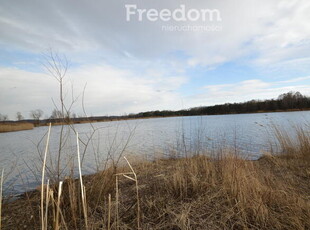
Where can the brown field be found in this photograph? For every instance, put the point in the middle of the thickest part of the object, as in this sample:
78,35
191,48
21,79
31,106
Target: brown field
15,127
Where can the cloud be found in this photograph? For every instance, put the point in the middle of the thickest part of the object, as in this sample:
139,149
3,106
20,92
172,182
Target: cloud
108,91
273,30
287,35
295,79
247,90
23,91
136,66
113,91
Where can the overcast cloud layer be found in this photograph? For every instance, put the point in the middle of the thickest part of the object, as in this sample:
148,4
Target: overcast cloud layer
261,51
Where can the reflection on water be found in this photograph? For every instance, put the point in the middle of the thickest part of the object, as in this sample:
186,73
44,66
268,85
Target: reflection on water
249,133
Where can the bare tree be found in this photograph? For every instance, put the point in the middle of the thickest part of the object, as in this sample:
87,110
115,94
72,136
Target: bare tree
19,116
56,114
57,65
36,114
4,117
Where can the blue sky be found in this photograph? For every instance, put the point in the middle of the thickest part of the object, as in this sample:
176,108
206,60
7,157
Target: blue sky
260,51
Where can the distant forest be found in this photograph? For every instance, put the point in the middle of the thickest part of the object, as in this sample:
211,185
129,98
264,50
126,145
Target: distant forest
291,101
285,102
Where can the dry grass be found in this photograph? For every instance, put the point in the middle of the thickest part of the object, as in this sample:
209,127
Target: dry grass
187,193
4,127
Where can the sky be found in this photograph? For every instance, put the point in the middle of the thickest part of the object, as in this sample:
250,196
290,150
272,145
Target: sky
253,49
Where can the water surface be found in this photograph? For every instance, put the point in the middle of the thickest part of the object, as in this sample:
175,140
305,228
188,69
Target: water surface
251,134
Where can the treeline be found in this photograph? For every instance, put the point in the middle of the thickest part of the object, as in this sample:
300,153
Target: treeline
285,102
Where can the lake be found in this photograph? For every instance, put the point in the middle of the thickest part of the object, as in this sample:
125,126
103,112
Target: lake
251,134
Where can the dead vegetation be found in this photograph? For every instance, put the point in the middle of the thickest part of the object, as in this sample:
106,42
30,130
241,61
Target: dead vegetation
11,127
196,192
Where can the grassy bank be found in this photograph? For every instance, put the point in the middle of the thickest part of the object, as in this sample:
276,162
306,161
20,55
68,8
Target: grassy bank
198,192
18,126
192,193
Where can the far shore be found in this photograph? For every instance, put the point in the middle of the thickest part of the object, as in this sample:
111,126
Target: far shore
13,126
16,126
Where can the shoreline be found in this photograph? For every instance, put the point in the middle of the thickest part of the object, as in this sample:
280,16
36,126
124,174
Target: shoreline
16,195
224,191
16,126
195,181
90,120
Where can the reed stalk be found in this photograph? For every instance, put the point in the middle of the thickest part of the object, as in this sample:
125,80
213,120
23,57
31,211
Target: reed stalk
83,191
116,202
43,176
137,191
47,201
58,206
109,213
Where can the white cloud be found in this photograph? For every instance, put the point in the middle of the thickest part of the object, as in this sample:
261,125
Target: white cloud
135,66
24,91
247,90
287,37
273,30
109,91
115,91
